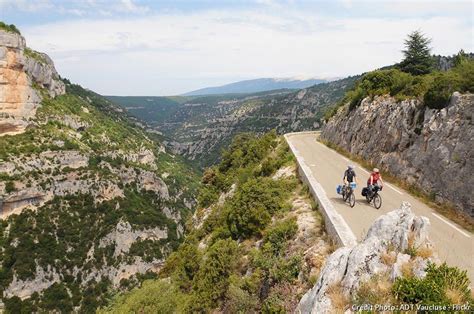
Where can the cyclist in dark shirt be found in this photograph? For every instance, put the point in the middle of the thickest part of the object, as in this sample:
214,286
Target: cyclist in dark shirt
349,175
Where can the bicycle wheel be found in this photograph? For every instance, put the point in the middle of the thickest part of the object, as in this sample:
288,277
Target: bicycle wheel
377,201
344,194
352,200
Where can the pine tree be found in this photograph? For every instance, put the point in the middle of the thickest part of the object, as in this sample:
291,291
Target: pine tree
460,58
418,60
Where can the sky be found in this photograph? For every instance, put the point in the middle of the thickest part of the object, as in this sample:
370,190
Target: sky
133,47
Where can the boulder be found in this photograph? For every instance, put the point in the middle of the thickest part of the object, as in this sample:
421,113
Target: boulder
349,267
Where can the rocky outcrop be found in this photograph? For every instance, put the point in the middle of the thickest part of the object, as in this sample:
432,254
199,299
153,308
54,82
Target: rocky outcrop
425,147
21,70
43,279
123,236
349,267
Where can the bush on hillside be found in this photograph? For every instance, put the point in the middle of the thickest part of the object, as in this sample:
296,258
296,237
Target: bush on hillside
9,28
277,235
253,205
183,265
154,296
460,79
435,88
441,90
442,285
246,149
212,280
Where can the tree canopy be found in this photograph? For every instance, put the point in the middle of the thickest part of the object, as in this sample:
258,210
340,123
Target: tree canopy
418,60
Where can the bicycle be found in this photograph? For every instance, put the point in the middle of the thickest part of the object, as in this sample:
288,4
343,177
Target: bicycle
374,197
348,193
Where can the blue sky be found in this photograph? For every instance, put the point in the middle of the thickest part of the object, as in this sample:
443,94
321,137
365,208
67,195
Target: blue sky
132,47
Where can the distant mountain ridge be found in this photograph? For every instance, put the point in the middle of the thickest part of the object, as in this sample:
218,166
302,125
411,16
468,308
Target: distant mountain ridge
258,85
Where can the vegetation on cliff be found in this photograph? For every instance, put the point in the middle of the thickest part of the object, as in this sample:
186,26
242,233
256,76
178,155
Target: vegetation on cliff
434,89
54,251
9,27
244,251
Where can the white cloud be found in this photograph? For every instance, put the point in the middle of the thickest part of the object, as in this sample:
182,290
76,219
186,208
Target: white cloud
25,5
130,6
176,52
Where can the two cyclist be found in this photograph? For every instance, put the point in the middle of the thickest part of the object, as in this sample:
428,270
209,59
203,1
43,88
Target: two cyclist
374,182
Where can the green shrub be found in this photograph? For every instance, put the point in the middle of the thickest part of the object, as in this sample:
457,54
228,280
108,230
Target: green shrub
254,203
286,270
279,234
9,28
207,196
10,187
356,96
269,166
465,69
246,149
240,301
56,298
434,287
444,84
183,265
35,55
274,305
154,296
435,88
212,280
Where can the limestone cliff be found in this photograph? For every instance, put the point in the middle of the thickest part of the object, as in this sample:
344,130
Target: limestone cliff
21,70
432,149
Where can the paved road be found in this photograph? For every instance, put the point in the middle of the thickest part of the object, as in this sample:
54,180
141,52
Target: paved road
453,244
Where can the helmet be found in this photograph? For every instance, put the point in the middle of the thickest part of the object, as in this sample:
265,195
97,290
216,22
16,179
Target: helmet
350,167
376,170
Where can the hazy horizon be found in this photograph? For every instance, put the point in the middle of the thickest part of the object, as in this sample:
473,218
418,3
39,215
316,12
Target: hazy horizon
146,48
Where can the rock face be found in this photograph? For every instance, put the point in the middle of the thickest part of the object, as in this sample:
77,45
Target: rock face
20,69
425,147
350,266
123,236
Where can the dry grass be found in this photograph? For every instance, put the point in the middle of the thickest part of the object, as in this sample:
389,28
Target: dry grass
424,252
454,296
378,290
407,269
388,258
446,209
338,300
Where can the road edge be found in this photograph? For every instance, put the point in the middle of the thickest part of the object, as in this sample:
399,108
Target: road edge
336,226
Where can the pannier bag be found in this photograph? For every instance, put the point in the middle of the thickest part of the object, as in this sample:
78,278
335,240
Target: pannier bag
364,192
339,189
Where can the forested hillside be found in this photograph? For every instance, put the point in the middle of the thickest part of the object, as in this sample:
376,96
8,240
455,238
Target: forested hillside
89,202
256,242
199,127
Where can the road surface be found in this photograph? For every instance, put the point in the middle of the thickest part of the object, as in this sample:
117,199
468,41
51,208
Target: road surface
453,244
